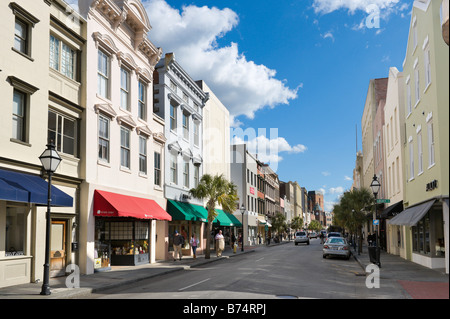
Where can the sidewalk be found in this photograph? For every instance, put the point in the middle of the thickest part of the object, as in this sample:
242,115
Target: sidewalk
117,276
418,281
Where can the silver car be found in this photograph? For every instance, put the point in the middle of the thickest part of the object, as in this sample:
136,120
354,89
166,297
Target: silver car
301,237
336,246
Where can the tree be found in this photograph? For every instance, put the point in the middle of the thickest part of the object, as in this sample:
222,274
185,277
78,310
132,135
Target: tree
216,190
279,223
315,225
349,212
297,223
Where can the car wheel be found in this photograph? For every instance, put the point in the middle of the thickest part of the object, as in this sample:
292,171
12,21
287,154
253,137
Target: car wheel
296,244
307,242
324,256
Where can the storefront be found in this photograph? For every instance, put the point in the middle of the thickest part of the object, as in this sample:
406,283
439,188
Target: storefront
425,225
123,229
23,197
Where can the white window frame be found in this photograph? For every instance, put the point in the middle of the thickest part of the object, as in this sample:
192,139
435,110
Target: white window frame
427,66
19,116
185,123
157,168
408,97
173,169
186,174
63,58
102,77
125,88
419,152
142,100
431,146
104,141
143,155
61,133
411,159
417,84
125,148
173,118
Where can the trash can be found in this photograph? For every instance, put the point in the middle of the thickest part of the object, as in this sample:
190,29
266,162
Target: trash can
373,254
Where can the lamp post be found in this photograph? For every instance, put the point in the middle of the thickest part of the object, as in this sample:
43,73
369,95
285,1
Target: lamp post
50,160
242,212
375,186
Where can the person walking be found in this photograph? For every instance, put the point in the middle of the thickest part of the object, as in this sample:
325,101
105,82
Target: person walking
194,244
220,244
178,242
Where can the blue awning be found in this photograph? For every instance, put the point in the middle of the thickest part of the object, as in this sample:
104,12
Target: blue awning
21,187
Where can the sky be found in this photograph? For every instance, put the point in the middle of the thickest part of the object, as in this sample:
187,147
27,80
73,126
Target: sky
293,74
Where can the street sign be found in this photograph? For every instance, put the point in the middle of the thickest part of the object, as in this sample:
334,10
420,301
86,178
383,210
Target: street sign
376,222
380,201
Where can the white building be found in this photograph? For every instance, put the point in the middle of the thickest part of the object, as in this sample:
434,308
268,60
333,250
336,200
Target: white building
122,193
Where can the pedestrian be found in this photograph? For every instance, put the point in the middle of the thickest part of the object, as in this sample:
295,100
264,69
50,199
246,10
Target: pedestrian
178,242
194,244
220,243
321,237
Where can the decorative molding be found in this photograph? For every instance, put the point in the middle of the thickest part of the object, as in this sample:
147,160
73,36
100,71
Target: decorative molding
127,120
144,130
22,85
106,109
160,137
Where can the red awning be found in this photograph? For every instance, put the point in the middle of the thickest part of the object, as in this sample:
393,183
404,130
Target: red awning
108,204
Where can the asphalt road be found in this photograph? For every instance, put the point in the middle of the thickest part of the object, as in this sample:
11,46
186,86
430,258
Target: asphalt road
280,272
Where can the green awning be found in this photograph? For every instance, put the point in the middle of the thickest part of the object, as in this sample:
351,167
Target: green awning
185,211
225,219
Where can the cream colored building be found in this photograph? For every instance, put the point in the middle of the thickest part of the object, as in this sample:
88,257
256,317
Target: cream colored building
426,147
216,135
124,141
42,99
394,137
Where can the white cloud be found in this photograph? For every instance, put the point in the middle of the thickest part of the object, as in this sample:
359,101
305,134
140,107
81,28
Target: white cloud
268,149
328,6
347,178
336,190
192,33
328,35
326,173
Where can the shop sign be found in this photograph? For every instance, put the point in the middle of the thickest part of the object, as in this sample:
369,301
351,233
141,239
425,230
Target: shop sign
99,212
252,190
431,185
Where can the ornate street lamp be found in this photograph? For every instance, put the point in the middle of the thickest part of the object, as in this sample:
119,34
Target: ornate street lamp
50,160
375,186
242,212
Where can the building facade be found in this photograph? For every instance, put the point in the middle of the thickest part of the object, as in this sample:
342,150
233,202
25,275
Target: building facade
38,105
426,146
122,221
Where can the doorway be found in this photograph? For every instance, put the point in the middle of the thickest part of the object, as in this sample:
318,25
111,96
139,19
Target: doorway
58,248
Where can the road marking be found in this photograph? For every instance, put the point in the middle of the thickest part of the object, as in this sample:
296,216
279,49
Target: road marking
194,284
260,259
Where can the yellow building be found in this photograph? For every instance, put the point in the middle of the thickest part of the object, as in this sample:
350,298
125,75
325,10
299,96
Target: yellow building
426,144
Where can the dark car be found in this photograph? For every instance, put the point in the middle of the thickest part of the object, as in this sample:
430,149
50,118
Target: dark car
334,234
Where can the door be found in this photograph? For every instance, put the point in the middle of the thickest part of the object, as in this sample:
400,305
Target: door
58,248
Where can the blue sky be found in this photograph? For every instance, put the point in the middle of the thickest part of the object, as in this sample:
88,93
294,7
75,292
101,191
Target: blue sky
301,67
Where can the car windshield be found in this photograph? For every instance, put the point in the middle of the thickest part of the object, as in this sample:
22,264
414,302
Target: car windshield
334,235
300,234
336,240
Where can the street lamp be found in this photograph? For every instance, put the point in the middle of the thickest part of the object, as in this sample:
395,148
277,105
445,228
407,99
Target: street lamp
50,160
242,212
375,186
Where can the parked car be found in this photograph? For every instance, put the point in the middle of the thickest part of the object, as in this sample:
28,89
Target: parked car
313,235
336,246
301,237
334,234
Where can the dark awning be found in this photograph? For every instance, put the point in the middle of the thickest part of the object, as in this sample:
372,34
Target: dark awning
26,188
392,210
412,215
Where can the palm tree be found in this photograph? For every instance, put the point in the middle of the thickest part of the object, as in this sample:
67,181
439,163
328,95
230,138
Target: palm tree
216,190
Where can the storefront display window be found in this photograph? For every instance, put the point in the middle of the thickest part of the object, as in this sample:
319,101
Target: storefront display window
126,242
15,231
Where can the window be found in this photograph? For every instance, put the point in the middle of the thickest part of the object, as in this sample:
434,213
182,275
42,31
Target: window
173,117
419,153
421,236
427,65
414,33
196,133
142,106
186,174
103,138
411,160
103,74
408,98
21,36
124,88
18,115
157,169
397,161
62,131
124,147
196,175
417,84
15,232
431,159
173,168
62,57
186,126
142,155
